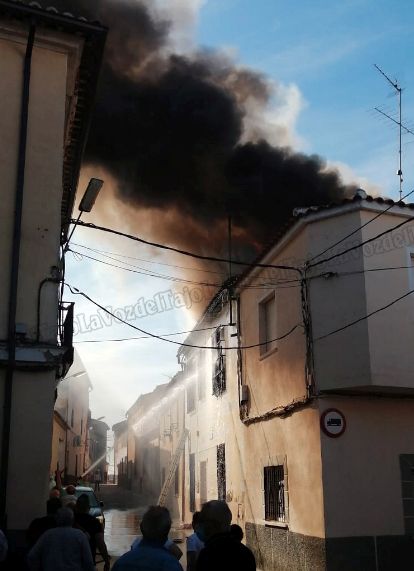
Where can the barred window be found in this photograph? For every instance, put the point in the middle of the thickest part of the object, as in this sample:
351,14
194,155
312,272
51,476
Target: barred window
221,472
219,363
274,491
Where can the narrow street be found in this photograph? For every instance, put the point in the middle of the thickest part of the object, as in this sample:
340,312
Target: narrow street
122,517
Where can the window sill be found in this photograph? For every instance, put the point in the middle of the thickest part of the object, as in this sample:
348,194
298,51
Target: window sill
272,523
268,353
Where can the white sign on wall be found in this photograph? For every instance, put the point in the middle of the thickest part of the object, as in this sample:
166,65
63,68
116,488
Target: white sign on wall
333,422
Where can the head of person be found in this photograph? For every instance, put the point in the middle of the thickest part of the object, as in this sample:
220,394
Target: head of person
215,517
82,504
53,505
64,517
156,524
70,490
54,493
236,532
196,520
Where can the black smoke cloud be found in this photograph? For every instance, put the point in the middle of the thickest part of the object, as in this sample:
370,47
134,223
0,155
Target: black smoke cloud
170,128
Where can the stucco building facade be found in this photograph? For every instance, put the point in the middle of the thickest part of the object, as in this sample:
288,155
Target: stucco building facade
299,402
71,424
49,66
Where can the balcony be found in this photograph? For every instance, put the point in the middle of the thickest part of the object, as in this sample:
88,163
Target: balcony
35,355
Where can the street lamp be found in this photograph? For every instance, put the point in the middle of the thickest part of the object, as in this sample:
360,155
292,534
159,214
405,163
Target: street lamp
87,202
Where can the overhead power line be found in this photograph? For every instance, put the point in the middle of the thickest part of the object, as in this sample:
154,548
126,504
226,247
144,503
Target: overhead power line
108,254
76,291
365,317
183,252
145,273
283,284
406,221
359,228
148,337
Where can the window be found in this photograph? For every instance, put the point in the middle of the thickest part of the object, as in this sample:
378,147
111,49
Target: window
81,426
203,482
274,491
267,324
219,363
72,418
162,476
191,397
221,472
192,482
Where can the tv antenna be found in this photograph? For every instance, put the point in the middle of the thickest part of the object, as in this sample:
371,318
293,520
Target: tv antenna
398,91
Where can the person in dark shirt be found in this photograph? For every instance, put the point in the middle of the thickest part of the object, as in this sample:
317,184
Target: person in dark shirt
222,552
94,529
236,532
42,524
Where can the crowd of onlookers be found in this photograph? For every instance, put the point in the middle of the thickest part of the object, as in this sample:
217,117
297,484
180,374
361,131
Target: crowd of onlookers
215,545
68,538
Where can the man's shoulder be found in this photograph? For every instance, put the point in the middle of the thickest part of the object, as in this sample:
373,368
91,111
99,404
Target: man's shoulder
65,532
223,551
87,518
155,558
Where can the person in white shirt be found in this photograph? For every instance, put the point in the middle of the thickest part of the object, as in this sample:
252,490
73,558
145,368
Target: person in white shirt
194,544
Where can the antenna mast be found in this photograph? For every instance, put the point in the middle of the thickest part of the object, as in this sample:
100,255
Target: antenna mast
398,90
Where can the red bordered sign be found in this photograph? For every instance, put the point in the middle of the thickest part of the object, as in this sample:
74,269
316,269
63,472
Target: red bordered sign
333,422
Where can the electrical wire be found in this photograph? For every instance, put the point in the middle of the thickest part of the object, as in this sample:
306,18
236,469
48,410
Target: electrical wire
145,272
358,272
365,316
148,337
184,252
410,219
76,291
360,227
108,254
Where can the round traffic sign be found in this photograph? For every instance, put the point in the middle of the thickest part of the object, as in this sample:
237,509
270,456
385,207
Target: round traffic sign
333,422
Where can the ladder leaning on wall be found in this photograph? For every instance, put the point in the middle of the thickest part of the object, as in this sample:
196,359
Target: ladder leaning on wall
172,468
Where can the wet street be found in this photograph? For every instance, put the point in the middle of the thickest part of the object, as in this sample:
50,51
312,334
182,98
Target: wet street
122,517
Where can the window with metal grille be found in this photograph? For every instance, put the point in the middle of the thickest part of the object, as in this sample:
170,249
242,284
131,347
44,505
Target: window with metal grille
203,482
219,363
192,482
221,472
274,491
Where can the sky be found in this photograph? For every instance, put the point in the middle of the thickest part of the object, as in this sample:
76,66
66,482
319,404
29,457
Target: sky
320,56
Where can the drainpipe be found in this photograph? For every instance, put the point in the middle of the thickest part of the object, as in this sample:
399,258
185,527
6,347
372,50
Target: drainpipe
14,276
